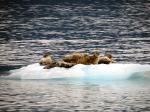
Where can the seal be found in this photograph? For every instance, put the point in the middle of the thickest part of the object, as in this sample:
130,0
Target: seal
82,58
106,59
46,59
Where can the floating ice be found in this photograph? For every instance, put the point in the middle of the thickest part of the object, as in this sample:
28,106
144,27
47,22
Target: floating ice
102,71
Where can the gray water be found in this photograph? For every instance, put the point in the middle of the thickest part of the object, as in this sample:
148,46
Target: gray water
30,28
70,96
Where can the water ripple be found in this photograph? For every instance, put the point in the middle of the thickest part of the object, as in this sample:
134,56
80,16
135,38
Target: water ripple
65,96
121,28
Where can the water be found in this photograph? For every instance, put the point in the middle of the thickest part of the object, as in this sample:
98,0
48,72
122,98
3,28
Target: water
30,28
68,96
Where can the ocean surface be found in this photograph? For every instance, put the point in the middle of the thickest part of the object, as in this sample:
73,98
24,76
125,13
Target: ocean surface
29,28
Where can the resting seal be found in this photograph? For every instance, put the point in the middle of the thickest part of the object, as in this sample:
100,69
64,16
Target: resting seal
82,58
106,59
46,59
59,64
75,57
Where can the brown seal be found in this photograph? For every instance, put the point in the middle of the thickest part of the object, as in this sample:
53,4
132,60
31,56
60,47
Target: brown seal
106,59
46,59
82,58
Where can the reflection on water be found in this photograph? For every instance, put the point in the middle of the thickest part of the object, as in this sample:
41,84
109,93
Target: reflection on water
27,29
67,96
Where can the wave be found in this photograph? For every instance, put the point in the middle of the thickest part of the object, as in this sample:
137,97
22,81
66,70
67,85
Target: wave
102,72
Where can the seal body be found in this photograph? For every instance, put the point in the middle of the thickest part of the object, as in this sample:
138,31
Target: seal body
46,59
81,58
106,59
59,64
